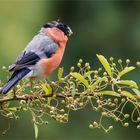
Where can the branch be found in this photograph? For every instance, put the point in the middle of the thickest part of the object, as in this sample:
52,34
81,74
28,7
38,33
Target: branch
103,89
34,96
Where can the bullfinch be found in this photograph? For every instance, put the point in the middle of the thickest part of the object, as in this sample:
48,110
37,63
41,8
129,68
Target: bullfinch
42,55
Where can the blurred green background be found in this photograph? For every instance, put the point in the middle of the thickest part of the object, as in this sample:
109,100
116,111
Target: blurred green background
110,28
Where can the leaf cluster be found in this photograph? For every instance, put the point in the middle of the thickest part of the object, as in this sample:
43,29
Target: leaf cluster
103,89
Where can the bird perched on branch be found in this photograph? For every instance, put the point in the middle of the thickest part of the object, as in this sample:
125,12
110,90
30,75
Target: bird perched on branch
42,55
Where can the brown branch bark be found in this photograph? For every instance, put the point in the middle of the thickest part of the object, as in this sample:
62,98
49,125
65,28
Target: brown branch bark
23,97
28,97
35,96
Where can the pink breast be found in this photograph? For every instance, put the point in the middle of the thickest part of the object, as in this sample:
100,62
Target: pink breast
50,64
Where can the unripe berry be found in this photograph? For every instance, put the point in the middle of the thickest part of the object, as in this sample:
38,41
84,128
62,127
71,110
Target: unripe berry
22,102
105,74
119,61
111,59
138,119
110,127
90,126
80,60
114,65
138,127
18,86
78,64
126,116
72,69
104,114
96,72
123,100
116,100
95,124
126,124
3,67
86,64
127,61
138,64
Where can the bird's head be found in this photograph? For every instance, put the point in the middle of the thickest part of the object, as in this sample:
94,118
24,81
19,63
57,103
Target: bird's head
60,25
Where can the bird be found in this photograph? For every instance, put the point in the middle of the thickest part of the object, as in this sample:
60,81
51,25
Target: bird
42,55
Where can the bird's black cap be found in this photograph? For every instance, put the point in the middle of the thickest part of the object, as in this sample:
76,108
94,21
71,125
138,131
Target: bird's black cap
60,25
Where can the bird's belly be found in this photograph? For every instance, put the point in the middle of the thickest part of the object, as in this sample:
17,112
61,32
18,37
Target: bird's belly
43,68
50,64
46,66
36,71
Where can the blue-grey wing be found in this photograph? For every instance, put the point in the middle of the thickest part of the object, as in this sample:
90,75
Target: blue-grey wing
40,47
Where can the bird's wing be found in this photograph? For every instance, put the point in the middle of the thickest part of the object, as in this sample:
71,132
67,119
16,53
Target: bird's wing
40,47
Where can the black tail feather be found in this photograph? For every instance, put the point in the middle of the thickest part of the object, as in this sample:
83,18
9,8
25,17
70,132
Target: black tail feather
17,76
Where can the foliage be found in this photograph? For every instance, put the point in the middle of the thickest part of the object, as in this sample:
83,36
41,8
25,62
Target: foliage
103,89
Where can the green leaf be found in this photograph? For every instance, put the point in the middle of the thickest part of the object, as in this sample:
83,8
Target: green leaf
60,73
36,131
35,126
126,70
13,109
98,81
128,83
105,64
48,90
88,73
110,93
80,78
73,91
128,94
137,92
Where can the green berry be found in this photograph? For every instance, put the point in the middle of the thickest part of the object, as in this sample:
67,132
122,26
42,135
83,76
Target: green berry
53,83
116,100
62,110
96,72
104,114
88,68
95,124
66,115
90,126
123,100
138,119
72,69
87,64
80,60
126,124
111,59
22,102
127,61
138,127
105,74
18,86
110,127
114,65
78,64
119,61
100,69
119,90
116,119
81,104
126,116
112,68
3,67
138,64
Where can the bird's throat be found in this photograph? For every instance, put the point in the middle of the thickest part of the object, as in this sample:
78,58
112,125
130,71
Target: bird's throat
57,35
